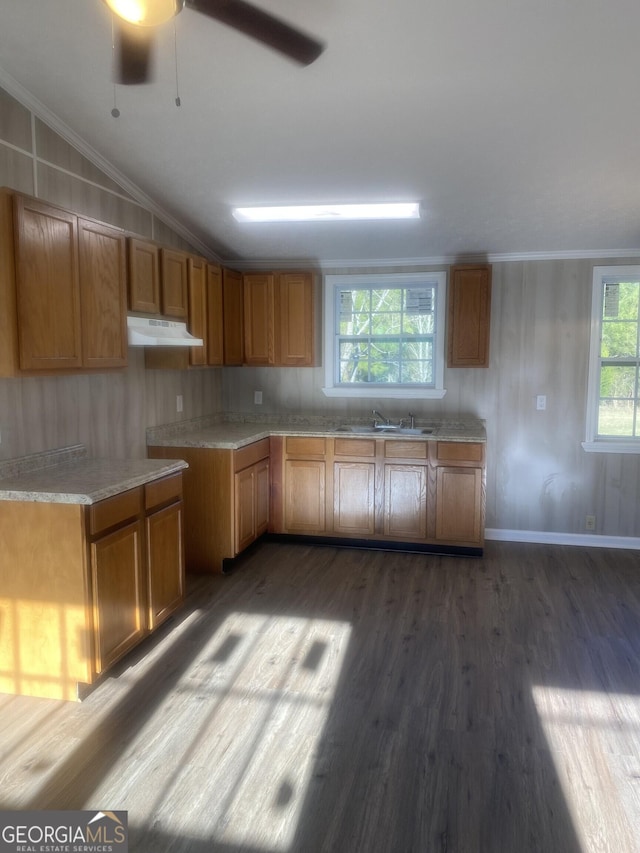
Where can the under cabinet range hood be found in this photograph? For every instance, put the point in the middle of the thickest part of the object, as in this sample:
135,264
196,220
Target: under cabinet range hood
155,332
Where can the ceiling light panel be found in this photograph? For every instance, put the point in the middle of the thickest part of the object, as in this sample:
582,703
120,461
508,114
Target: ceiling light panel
328,212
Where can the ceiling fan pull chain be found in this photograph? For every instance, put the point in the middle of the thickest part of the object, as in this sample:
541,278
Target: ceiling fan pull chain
175,53
115,112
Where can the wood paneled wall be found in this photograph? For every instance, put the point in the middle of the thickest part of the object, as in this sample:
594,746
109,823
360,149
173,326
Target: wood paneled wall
538,476
107,412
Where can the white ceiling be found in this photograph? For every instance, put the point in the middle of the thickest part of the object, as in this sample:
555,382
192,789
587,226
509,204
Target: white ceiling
514,122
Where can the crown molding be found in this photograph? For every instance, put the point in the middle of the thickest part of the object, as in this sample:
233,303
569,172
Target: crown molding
17,91
435,260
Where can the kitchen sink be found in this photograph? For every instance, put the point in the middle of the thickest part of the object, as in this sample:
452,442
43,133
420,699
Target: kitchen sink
359,429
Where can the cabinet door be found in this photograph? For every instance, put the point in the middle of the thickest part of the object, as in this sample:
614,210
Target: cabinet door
165,562
304,496
262,496
459,504
144,276
197,268
173,283
233,314
215,328
469,316
245,508
103,294
405,501
259,325
47,286
294,326
251,503
118,596
353,498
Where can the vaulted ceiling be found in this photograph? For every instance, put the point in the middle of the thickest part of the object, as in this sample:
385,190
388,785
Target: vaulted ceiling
515,123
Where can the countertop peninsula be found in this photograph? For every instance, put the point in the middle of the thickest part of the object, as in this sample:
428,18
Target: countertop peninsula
69,475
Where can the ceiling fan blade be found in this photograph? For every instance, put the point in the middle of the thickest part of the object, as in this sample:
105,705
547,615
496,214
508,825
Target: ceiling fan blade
134,48
261,26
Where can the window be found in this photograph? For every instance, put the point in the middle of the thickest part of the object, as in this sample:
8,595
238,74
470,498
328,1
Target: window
613,407
384,335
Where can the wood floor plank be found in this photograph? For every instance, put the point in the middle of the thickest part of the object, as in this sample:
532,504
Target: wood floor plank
321,700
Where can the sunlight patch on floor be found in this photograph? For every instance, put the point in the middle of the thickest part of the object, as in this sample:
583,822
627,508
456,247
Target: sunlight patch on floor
594,740
238,771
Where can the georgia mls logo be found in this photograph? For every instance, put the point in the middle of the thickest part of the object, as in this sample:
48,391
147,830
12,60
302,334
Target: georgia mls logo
63,832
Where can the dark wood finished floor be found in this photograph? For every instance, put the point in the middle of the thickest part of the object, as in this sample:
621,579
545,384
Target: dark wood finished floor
346,701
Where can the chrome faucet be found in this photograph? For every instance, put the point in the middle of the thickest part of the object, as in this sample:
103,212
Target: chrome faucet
377,415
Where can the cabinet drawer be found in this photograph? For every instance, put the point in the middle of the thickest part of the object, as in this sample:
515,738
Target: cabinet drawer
354,447
304,446
115,510
459,451
406,449
250,454
162,491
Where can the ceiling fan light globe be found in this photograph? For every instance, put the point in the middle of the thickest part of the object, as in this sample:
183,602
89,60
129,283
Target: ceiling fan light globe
145,13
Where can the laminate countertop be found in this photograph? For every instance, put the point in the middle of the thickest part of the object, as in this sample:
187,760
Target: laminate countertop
69,475
234,434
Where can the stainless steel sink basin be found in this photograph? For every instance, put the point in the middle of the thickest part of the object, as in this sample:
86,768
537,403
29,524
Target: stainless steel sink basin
383,430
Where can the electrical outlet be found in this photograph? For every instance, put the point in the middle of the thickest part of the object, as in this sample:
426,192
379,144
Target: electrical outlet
541,402
179,404
590,522
257,398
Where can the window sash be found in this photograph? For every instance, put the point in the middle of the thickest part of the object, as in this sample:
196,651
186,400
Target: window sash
613,400
420,304
404,306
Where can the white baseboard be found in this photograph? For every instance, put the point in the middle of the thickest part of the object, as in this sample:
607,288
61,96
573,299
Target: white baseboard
590,540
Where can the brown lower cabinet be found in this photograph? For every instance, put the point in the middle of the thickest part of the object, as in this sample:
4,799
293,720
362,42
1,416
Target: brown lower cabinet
226,500
413,491
410,491
93,581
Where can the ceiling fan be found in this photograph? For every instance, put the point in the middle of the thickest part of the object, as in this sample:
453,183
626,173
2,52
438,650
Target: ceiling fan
137,18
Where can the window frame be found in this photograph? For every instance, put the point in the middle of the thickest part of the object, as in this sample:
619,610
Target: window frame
438,279
593,442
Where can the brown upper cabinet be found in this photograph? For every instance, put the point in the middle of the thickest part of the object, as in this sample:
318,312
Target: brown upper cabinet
233,317
62,290
259,318
294,319
224,317
158,279
469,315
144,275
278,319
103,294
174,288
197,320
215,318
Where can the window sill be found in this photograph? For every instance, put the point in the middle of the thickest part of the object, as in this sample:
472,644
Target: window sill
378,392
611,446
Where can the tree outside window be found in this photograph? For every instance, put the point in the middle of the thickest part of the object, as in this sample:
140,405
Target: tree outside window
619,402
